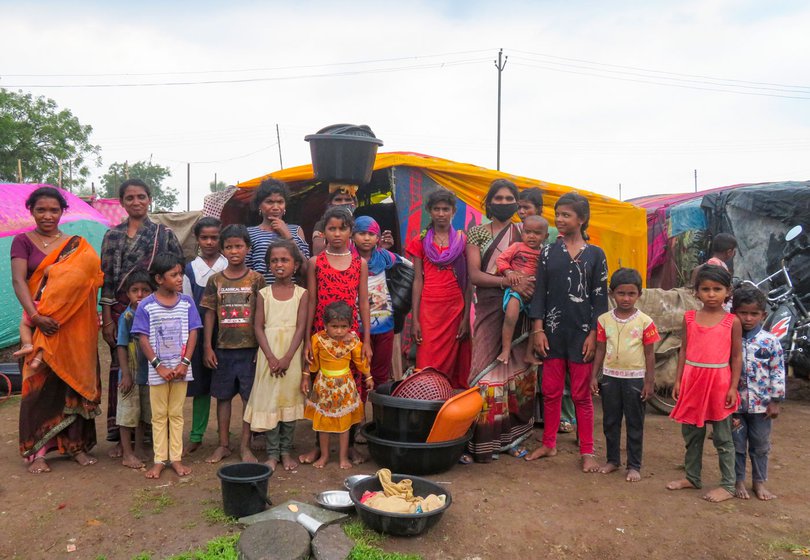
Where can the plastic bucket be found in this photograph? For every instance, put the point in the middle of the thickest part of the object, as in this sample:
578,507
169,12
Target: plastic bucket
343,153
244,488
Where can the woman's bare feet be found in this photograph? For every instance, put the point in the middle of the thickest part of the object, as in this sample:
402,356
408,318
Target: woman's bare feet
248,456
763,493
132,461
356,457
717,495
24,350
740,491
39,466
271,462
218,455
682,484
84,459
589,464
155,471
608,468
541,452
192,447
321,463
309,458
345,463
632,475
288,462
180,468
116,452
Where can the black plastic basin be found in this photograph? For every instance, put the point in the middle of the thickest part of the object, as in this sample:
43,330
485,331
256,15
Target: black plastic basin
403,419
401,524
413,457
343,153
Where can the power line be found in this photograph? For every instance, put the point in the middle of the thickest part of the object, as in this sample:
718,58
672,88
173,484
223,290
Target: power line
233,71
438,65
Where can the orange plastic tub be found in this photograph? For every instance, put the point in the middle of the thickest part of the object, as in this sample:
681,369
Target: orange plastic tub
456,416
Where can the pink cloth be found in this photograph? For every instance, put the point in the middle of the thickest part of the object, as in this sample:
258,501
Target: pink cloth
518,257
553,384
15,218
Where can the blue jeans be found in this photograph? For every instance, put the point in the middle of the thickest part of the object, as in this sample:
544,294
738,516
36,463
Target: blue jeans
752,434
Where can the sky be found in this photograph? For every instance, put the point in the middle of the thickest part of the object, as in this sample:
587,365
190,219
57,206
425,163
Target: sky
595,95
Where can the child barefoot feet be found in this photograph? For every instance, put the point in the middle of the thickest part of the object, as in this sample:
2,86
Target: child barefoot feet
589,464
763,493
180,468
541,452
192,447
321,463
39,466
24,350
682,484
717,495
248,456
132,461
632,475
345,463
740,490
155,471
355,457
309,458
271,462
219,454
608,468
288,462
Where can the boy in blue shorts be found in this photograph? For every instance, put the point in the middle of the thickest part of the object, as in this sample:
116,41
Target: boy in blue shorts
229,301
134,409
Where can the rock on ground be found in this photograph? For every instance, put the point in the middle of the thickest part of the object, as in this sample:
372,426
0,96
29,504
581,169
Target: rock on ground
331,543
276,539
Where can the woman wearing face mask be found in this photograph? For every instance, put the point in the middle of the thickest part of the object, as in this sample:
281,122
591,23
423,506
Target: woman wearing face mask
509,389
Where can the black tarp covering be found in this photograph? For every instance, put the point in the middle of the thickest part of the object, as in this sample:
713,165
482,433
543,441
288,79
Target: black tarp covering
759,215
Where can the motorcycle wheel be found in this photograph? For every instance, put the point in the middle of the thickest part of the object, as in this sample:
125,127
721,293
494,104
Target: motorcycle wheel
662,401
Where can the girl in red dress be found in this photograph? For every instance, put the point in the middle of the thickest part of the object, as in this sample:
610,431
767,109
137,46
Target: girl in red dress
709,367
338,274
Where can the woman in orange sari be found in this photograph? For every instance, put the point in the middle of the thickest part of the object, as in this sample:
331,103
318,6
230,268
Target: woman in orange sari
56,279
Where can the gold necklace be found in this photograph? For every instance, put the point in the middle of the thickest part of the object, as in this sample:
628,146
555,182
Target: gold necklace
42,240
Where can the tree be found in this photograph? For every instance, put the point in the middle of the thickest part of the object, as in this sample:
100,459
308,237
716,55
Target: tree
164,198
218,186
40,135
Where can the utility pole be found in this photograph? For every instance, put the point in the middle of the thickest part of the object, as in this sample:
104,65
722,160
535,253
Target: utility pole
215,182
188,187
278,139
620,191
500,64
695,180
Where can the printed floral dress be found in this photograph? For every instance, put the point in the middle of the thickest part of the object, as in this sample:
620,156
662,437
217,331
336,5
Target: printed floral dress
334,404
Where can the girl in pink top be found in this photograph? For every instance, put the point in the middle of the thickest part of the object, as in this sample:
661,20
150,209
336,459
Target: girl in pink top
709,367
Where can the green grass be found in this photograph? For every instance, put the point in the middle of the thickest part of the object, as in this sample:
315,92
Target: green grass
146,502
142,556
220,548
216,515
786,545
365,544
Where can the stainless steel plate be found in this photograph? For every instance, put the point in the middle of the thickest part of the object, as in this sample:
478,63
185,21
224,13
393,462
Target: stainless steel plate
354,479
336,500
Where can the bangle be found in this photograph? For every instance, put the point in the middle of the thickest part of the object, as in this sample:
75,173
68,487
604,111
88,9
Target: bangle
155,362
104,325
305,373
537,331
34,316
185,361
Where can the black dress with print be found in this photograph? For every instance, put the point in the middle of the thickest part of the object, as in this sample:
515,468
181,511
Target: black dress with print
570,294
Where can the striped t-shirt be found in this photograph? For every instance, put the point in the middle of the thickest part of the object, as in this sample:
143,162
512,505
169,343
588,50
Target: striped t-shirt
260,240
168,329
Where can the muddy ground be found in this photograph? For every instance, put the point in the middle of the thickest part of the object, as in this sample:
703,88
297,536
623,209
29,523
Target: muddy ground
509,509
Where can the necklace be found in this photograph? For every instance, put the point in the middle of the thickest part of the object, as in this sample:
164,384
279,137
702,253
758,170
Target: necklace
621,323
331,254
43,237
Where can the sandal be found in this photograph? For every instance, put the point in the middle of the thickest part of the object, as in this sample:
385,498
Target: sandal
566,427
465,459
518,452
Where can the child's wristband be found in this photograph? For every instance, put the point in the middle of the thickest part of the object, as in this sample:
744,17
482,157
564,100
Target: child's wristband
155,362
185,361
535,331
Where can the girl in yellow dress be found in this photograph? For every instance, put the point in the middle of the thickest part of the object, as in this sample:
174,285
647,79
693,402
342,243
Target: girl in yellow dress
334,405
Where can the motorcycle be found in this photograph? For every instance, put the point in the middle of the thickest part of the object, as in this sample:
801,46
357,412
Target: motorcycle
788,318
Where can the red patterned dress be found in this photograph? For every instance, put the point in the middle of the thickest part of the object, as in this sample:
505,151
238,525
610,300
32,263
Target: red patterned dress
335,285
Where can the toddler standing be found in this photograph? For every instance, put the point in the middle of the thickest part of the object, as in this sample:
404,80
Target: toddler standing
624,352
709,366
762,388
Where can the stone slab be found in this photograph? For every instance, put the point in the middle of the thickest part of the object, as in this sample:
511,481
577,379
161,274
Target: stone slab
276,539
325,516
331,543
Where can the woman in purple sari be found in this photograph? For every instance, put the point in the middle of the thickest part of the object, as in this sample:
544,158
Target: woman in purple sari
441,293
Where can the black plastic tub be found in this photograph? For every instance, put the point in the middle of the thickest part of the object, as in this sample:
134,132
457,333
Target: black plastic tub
400,419
12,371
413,457
343,153
244,488
400,524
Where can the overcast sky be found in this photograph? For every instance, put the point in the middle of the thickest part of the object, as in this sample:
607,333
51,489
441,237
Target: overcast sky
595,94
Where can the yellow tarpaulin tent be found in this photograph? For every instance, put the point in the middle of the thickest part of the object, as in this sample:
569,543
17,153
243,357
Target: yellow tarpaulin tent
620,228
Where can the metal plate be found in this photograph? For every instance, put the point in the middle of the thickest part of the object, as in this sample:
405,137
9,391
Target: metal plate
336,500
354,479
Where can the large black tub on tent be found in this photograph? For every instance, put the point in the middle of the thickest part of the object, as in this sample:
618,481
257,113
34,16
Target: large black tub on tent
759,215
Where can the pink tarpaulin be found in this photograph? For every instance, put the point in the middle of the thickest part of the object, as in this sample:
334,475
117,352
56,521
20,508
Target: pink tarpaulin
111,209
15,217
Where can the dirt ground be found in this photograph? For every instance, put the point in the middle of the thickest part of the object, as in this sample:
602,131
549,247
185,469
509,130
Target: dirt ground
508,509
